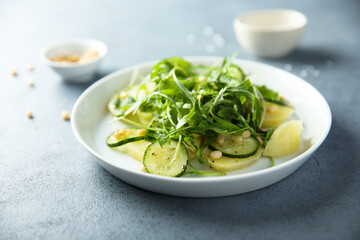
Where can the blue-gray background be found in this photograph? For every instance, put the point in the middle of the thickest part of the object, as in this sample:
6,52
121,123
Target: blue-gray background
51,188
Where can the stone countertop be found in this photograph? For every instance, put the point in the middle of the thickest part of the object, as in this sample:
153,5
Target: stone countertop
52,188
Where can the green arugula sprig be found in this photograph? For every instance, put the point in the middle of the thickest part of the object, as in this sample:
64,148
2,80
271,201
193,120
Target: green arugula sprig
184,105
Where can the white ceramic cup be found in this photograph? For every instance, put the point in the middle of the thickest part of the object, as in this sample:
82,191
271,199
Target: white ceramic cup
272,33
77,72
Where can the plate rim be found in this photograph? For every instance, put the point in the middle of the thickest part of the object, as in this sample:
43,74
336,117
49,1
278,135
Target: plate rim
305,155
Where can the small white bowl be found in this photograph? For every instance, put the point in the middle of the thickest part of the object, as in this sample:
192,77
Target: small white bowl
77,72
270,33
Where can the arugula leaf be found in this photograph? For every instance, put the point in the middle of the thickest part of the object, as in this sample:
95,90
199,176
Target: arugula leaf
183,104
268,93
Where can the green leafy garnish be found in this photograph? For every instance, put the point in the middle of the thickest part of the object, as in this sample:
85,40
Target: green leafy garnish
270,95
190,101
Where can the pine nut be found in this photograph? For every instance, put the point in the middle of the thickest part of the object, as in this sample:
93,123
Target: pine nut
29,114
118,134
123,95
65,115
141,132
30,67
216,154
14,72
126,132
246,134
30,82
220,139
236,138
202,79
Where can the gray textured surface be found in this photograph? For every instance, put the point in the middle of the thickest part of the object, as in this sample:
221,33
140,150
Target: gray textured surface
51,188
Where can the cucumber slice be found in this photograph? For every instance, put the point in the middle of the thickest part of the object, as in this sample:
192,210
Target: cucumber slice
225,164
230,148
113,141
160,160
114,105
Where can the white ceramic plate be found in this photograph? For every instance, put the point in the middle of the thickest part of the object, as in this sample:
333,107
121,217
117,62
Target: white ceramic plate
90,123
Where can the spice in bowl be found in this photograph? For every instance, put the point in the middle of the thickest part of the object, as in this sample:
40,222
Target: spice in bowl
88,56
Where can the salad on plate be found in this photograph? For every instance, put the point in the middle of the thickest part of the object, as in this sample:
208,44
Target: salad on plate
181,113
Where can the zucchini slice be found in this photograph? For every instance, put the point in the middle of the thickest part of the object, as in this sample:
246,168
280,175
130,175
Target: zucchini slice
230,148
113,141
162,160
225,164
114,105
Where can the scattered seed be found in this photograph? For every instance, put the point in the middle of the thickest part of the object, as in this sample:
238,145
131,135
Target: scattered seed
30,82
13,72
237,138
65,115
282,98
143,169
216,154
246,134
29,114
30,67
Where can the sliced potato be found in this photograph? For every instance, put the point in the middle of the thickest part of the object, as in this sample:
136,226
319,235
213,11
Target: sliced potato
135,149
144,117
285,140
275,114
137,94
225,164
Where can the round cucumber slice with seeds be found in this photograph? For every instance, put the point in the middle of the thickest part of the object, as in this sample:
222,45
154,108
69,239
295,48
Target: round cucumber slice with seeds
167,160
236,149
114,141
